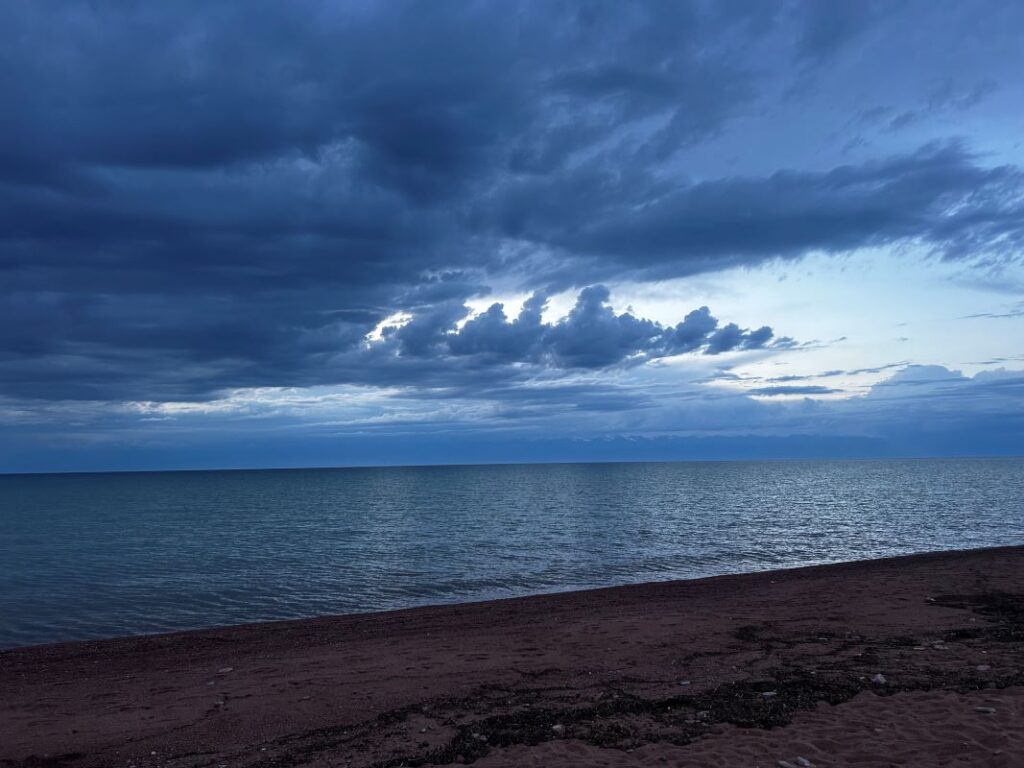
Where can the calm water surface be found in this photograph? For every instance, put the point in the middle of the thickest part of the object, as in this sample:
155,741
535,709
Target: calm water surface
84,556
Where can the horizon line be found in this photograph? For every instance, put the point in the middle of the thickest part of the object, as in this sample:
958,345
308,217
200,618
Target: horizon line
456,465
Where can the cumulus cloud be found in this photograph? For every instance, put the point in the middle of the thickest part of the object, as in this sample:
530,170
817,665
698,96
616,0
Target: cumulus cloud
591,336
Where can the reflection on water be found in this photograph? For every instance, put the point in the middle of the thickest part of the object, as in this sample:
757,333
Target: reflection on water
99,555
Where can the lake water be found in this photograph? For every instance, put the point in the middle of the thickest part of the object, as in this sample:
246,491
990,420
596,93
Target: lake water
86,556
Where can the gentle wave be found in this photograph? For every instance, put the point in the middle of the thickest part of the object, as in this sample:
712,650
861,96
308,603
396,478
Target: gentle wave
88,556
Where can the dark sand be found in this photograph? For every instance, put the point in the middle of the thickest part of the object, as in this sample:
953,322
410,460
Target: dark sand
580,679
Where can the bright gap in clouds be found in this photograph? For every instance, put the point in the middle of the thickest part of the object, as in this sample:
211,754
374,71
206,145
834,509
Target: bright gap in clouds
869,313
392,322
857,320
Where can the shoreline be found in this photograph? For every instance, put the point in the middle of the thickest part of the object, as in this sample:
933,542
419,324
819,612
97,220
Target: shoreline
589,677
482,602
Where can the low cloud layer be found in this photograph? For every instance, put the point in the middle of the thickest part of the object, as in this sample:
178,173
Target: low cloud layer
919,411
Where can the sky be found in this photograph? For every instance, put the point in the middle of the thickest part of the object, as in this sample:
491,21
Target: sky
270,234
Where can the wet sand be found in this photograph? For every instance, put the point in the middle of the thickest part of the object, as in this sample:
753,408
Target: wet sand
915,661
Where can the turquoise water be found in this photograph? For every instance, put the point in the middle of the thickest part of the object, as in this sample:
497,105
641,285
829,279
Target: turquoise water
86,556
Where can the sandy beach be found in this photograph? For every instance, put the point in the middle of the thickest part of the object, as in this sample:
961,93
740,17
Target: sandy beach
913,661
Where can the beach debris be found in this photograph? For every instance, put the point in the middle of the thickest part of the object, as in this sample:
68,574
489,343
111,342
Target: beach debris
983,667
803,762
225,670
985,710
558,728
878,679
770,694
684,682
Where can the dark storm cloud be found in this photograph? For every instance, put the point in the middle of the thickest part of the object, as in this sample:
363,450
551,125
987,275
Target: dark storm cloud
219,195
938,196
203,195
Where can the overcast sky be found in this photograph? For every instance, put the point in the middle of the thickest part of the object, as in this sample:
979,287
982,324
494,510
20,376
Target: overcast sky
328,233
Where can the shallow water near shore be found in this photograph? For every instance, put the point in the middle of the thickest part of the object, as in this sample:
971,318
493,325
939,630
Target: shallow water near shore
88,556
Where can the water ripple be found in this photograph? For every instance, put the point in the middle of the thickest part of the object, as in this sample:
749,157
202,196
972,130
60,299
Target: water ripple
89,556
